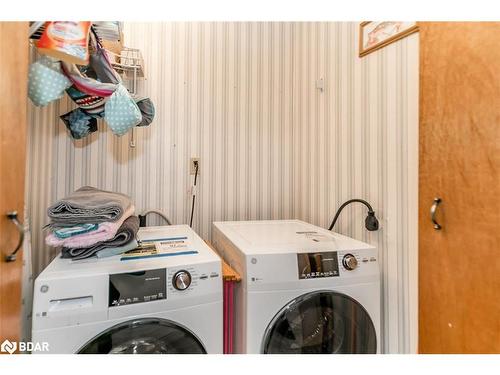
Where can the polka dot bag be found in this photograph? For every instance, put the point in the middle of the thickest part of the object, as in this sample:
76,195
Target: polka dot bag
46,82
121,113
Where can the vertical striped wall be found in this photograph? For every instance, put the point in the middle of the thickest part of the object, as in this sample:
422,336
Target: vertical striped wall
242,98
358,139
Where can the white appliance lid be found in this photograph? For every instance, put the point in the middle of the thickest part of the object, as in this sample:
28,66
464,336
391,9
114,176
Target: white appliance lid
285,236
201,254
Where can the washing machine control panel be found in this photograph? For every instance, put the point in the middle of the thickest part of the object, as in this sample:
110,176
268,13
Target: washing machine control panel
192,280
162,284
136,287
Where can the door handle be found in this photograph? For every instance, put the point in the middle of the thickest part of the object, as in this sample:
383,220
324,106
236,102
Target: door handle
434,208
12,215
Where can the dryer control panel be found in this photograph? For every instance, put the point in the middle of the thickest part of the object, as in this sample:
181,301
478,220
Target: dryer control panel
318,264
329,263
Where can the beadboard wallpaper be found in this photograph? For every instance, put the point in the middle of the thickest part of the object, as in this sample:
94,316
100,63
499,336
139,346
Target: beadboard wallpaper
358,138
242,97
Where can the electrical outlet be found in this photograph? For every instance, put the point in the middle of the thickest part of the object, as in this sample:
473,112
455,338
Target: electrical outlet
193,166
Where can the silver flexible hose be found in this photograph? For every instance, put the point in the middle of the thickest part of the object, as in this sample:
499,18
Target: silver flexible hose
159,213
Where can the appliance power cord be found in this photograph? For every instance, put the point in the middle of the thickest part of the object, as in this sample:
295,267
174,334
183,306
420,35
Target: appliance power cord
371,222
194,193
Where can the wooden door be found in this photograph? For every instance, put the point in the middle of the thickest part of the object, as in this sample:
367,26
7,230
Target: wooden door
13,101
459,265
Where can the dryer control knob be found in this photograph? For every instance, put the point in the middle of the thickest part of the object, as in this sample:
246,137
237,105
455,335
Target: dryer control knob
181,280
350,262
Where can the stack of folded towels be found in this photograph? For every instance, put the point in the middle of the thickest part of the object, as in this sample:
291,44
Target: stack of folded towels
93,223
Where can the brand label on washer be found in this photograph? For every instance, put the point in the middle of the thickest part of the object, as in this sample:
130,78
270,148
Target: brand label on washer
175,244
158,247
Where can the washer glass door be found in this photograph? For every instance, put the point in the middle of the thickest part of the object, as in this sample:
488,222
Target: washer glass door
321,322
144,336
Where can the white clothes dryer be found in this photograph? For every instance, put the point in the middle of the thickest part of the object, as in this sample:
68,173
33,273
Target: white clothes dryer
304,289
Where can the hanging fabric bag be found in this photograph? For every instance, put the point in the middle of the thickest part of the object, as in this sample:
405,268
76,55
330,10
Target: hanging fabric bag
88,93
121,113
46,81
79,123
147,110
87,85
100,62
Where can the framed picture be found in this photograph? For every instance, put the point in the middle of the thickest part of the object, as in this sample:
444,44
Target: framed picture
374,35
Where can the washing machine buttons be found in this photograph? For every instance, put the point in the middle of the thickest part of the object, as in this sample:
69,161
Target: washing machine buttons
350,262
181,280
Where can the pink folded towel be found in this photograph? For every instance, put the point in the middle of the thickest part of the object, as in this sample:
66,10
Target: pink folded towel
106,231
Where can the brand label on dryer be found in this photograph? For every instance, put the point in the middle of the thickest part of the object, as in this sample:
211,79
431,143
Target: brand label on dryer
316,237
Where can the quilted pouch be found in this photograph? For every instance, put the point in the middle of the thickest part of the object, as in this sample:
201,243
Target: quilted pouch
79,123
121,113
147,110
46,81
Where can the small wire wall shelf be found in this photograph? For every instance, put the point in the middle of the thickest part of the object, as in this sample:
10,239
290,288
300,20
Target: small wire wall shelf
130,65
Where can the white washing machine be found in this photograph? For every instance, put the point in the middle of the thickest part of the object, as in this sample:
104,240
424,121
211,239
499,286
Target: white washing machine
169,302
304,289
